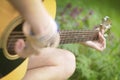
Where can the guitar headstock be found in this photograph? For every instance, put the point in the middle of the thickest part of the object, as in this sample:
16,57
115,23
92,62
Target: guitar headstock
106,24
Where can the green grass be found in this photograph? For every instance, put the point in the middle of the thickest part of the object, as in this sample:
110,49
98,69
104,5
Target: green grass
91,64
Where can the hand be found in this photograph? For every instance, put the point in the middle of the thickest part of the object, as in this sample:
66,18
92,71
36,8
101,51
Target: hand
32,45
99,44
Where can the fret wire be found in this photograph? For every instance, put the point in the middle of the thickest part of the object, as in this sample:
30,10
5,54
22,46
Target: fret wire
75,37
78,40
63,38
62,31
63,34
85,33
76,34
60,35
81,39
86,36
72,41
76,30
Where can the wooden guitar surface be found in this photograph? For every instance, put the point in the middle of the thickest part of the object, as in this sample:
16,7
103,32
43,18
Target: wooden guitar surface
12,68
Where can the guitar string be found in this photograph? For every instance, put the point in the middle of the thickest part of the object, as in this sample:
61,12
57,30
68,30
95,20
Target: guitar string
14,37
61,33
11,48
63,41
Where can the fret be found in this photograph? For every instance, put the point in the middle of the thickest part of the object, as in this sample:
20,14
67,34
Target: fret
77,36
66,37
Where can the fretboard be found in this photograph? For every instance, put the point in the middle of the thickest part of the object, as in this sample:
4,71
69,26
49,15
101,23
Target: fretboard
76,36
66,37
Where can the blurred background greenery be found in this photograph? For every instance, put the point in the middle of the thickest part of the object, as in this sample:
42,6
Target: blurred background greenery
86,14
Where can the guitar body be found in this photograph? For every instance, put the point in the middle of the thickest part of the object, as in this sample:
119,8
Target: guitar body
11,66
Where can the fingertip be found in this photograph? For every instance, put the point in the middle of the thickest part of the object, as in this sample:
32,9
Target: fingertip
19,45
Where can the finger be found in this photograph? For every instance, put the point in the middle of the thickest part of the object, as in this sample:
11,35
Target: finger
26,28
19,46
22,49
102,40
101,37
94,45
102,29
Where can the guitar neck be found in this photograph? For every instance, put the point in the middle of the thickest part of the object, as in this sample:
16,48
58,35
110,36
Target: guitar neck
66,36
76,36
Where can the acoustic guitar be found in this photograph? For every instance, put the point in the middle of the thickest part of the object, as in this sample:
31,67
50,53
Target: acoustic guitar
13,67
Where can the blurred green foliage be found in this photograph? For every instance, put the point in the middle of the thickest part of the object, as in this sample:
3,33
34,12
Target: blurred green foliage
86,14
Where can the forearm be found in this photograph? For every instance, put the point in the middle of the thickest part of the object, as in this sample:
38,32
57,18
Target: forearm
35,14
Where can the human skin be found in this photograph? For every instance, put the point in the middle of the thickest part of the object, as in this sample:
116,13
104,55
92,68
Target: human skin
50,63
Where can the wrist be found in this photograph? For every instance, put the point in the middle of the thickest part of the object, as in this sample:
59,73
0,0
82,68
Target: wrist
49,38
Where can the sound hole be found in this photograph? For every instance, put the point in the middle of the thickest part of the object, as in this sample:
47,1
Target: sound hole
13,37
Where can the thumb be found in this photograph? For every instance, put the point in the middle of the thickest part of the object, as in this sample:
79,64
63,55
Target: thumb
19,47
